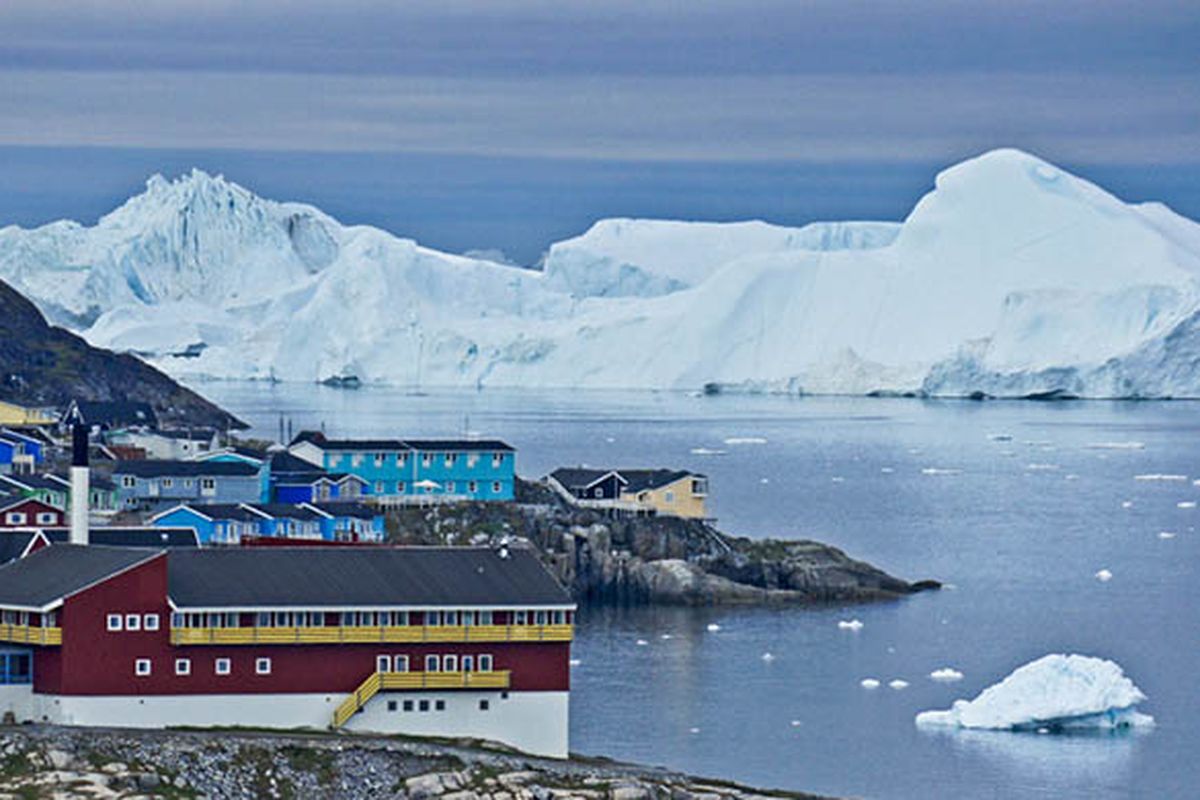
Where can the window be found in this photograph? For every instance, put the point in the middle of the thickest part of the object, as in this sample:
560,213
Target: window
439,705
167,483
472,487
427,459
400,459
485,663
468,663
495,487
46,518
262,666
485,618
497,459
669,496
450,663
483,705
519,618
472,460
177,620
383,663
432,664
133,622
380,458
188,483
401,487
401,664
598,492
379,487
150,622
141,667
208,485
539,618
16,518
450,487
560,618
114,622
408,705
450,459
183,666
391,705
423,705
128,481
222,666
699,486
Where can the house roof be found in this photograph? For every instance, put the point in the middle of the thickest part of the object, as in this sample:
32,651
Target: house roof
194,435
240,512
289,511
95,481
13,544
298,577
52,573
153,468
366,445
582,477
142,537
17,433
9,502
453,445
115,413
639,480
33,482
283,461
347,509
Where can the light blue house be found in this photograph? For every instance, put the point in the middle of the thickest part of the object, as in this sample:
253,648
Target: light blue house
412,469
19,453
351,522
159,484
231,523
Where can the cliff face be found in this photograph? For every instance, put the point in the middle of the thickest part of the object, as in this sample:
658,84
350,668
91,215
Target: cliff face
41,365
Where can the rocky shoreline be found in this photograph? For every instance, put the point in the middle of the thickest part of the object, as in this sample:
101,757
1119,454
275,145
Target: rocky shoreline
74,763
653,560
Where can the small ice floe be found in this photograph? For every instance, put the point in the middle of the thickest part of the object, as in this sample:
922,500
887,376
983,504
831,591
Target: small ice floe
887,470
665,636
574,662
898,684
869,683
736,440
764,480
850,624
1104,576
945,675
693,731
1054,693
1196,482
1186,504
940,471
1000,437
642,643
1159,476
712,627
837,479
1041,467
1037,443
707,451
767,657
796,723
609,439
1070,476
1115,446
1166,535
1126,504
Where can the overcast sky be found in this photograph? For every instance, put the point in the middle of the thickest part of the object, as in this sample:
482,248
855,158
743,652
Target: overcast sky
481,123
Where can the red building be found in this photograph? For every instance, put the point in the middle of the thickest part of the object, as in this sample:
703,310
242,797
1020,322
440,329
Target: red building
27,512
459,642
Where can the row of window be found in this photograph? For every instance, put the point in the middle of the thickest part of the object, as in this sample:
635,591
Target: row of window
144,667
21,518
400,459
450,662
16,668
131,622
23,618
449,487
365,619
207,484
424,705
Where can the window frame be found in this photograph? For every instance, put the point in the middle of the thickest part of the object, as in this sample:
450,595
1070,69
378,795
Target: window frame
142,667
109,625
223,662
150,622
183,666
486,662
133,622
262,665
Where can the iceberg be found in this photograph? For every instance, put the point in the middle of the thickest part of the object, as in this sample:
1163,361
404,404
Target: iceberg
1054,693
1010,278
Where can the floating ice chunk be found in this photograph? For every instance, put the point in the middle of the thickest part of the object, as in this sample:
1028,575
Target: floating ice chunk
574,662
1000,437
1126,504
837,479
946,675
869,683
768,657
665,636
1055,692
796,723
1159,476
940,471
736,440
887,470
764,480
712,627
1166,535
1115,446
1104,576
1041,467
642,643
898,684
850,624
693,731
1186,504
707,451
1037,442
1071,476
609,439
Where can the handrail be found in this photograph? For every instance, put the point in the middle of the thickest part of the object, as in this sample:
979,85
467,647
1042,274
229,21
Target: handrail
27,634
379,681
397,634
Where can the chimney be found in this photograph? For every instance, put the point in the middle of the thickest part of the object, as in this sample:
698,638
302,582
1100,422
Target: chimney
79,484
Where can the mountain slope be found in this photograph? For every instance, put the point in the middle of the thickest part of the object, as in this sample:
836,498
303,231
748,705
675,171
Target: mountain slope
1011,277
45,366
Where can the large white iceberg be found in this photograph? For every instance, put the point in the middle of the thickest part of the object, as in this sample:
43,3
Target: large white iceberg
1009,278
1055,692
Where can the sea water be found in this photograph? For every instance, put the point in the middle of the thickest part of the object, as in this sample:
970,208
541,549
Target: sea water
1016,506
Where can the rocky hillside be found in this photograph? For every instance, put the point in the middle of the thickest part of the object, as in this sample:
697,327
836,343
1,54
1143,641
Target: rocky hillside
69,763
661,560
41,365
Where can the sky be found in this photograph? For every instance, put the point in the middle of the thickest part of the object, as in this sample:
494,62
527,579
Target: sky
479,124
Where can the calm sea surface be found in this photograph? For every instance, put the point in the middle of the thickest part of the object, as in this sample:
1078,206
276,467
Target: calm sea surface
1018,527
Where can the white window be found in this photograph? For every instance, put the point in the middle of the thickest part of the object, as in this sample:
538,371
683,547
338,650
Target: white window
379,487
356,460
401,664
113,622
519,618
540,618
495,487
208,485
598,492
485,618
141,667
450,663
133,622
128,481
45,518
188,483
183,666
433,664
426,459
16,518
167,483
150,622
383,664
472,460
450,487
380,458
472,487
497,459
262,666
468,663
222,666
485,663
401,488
450,459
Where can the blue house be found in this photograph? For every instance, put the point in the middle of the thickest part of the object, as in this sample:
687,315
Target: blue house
412,469
317,486
158,484
217,523
19,453
350,522
288,521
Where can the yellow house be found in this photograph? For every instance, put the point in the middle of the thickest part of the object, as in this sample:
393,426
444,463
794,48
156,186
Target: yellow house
675,493
13,414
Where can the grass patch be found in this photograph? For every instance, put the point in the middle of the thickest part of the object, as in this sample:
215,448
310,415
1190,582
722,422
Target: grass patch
319,763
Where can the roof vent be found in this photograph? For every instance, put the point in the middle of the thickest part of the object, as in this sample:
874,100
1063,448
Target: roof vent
502,550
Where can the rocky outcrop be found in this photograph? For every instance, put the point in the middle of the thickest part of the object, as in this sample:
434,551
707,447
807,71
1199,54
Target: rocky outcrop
42,365
69,763
660,560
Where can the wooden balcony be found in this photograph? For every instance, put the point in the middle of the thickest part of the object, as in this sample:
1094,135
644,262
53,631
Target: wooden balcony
24,634
401,634
416,681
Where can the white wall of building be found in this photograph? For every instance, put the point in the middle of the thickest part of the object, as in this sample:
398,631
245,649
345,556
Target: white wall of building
18,700
535,722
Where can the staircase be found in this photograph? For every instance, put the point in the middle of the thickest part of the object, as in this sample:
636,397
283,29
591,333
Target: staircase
380,681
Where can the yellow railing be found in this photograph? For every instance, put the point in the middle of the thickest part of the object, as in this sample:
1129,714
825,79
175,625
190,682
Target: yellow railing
369,635
24,634
402,681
